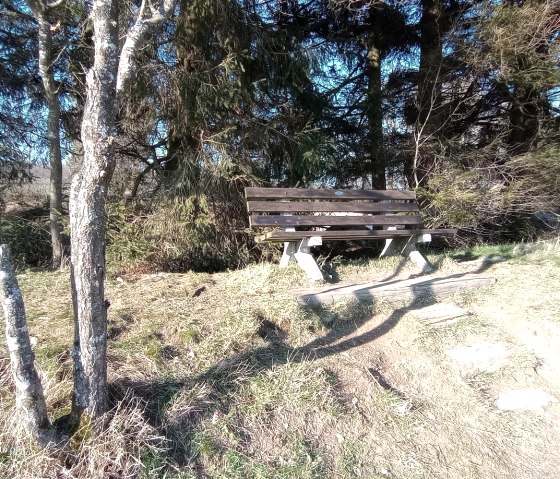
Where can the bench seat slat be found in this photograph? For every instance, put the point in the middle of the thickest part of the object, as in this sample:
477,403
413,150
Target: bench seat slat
281,236
257,193
307,220
330,207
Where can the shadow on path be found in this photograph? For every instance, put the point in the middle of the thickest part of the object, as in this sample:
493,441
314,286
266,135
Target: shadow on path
215,389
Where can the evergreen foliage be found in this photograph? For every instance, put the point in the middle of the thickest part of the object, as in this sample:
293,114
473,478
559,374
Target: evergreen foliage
462,105
21,91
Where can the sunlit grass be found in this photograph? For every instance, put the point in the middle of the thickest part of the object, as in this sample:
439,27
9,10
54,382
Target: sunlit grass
227,376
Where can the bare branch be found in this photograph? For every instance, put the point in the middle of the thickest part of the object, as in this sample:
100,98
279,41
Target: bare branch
55,4
138,34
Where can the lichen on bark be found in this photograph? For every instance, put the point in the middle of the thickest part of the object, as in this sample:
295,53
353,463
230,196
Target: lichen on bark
30,400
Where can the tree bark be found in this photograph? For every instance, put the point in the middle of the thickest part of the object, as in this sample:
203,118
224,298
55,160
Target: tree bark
110,72
429,91
30,399
375,107
41,11
526,113
149,17
184,138
87,217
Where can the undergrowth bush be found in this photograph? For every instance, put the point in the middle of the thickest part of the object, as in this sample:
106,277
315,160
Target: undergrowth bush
496,200
178,235
29,239
192,218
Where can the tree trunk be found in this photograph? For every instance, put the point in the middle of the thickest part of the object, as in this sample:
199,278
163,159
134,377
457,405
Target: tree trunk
375,107
184,138
40,10
429,91
105,80
87,218
29,391
525,115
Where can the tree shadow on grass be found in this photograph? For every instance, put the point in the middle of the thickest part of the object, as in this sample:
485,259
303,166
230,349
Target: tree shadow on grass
216,389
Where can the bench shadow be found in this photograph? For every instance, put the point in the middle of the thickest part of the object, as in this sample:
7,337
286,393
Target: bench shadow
214,389
331,276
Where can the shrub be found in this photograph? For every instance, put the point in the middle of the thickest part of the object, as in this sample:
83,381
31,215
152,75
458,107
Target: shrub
495,200
28,237
178,235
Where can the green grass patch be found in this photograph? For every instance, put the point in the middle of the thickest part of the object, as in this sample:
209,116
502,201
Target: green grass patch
300,459
50,351
293,386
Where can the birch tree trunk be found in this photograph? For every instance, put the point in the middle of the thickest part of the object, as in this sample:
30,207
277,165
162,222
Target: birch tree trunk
87,222
41,10
29,391
108,76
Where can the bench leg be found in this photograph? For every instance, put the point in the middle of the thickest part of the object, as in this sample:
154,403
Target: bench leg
415,256
299,251
306,260
407,247
392,245
290,249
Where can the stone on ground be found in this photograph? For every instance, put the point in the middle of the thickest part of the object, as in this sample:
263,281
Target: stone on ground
440,314
529,399
484,357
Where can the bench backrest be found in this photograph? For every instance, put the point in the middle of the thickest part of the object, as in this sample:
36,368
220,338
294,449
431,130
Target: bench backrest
293,207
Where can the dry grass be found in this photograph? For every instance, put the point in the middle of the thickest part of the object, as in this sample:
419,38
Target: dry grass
226,376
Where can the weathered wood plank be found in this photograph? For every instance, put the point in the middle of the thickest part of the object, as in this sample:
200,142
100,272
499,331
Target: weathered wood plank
307,220
330,207
281,236
406,290
257,193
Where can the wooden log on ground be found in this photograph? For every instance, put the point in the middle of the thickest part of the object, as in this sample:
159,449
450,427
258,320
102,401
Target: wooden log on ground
404,290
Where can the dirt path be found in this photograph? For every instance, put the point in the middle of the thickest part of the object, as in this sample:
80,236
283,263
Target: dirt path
478,398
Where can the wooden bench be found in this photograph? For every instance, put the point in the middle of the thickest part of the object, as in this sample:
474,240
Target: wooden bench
307,217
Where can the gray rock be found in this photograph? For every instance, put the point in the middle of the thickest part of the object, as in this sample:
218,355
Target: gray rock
528,399
479,357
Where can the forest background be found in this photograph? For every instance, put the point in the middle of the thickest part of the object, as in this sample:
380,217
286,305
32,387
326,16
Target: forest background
456,99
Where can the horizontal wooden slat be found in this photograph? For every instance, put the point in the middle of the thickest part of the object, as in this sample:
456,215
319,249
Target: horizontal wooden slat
281,236
256,193
329,207
308,220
